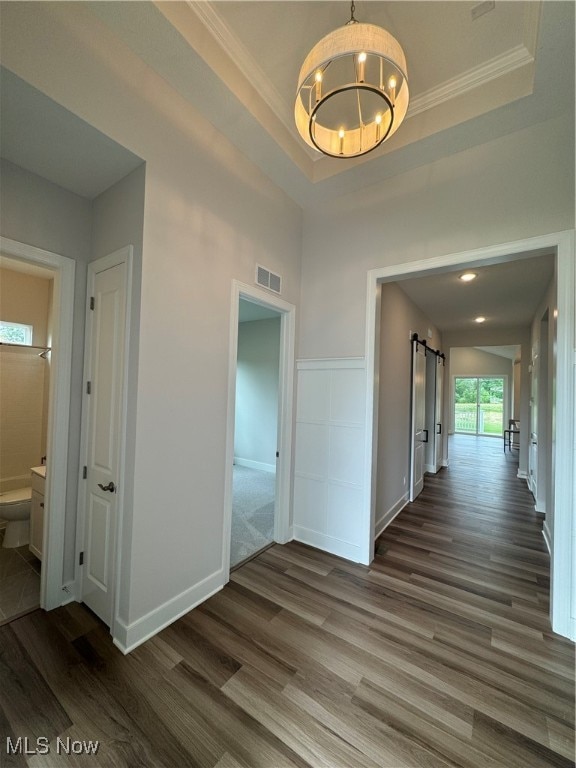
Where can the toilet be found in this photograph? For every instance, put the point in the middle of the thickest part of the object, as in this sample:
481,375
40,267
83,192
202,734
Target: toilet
15,509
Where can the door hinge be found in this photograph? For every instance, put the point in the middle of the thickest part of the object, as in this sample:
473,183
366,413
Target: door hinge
91,302
81,559
88,387
277,454
84,473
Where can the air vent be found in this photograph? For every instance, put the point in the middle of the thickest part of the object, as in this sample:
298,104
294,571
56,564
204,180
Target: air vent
268,279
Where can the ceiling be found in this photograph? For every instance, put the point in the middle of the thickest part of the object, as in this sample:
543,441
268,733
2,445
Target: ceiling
42,137
507,295
16,265
471,80
510,352
248,311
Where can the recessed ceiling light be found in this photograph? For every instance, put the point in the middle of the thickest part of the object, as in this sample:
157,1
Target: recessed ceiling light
467,276
479,319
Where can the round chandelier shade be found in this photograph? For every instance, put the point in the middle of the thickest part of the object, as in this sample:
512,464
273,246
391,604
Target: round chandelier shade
352,91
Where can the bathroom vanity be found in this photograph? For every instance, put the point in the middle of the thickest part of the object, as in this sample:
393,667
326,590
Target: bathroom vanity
37,511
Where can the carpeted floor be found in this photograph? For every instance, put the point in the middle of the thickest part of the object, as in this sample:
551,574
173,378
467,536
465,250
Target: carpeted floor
252,512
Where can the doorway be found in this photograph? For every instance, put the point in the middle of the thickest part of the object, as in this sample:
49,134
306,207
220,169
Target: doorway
259,424
479,405
25,352
53,592
561,244
255,431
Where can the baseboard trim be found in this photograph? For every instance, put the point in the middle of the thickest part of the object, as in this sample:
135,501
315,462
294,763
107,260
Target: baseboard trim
523,475
255,465
384,521
430,468
539,507
127,637
327,543
68,593
445,462
547,537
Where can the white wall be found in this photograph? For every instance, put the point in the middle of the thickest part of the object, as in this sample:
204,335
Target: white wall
209,217
256,428
516,397
329,457
467,361
399,316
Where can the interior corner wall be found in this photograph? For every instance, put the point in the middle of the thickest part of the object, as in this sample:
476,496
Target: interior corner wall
399,318
42,214
255,433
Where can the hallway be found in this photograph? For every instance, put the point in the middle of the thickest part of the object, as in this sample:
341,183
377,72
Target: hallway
438,654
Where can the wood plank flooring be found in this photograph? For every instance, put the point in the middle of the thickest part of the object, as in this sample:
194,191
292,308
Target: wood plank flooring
439,654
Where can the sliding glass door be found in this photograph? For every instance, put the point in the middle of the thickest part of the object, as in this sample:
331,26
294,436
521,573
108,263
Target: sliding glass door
479,405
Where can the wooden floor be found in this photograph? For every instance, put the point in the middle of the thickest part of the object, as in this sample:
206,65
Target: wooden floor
438,654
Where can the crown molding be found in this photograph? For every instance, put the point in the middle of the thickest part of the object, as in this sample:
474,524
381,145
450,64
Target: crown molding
499,66
490,70
243,59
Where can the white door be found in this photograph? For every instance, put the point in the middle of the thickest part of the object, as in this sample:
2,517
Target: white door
105,362
438,437
419,433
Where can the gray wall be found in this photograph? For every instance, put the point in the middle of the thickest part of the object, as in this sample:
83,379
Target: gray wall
255,436
399,316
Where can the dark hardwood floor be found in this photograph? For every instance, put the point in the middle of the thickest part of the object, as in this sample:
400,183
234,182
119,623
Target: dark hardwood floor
438,654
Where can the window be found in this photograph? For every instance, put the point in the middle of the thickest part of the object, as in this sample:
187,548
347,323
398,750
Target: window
15,333
479,405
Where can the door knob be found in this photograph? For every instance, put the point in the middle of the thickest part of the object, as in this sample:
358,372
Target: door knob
110,487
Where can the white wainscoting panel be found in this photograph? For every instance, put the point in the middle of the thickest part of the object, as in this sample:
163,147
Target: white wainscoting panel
329,466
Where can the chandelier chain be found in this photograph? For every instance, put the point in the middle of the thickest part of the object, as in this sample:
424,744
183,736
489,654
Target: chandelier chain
352,10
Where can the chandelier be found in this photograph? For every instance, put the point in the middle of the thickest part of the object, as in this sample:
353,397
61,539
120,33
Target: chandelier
352,90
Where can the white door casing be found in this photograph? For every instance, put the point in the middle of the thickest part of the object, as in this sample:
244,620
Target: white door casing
438,437
105,373
418,432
